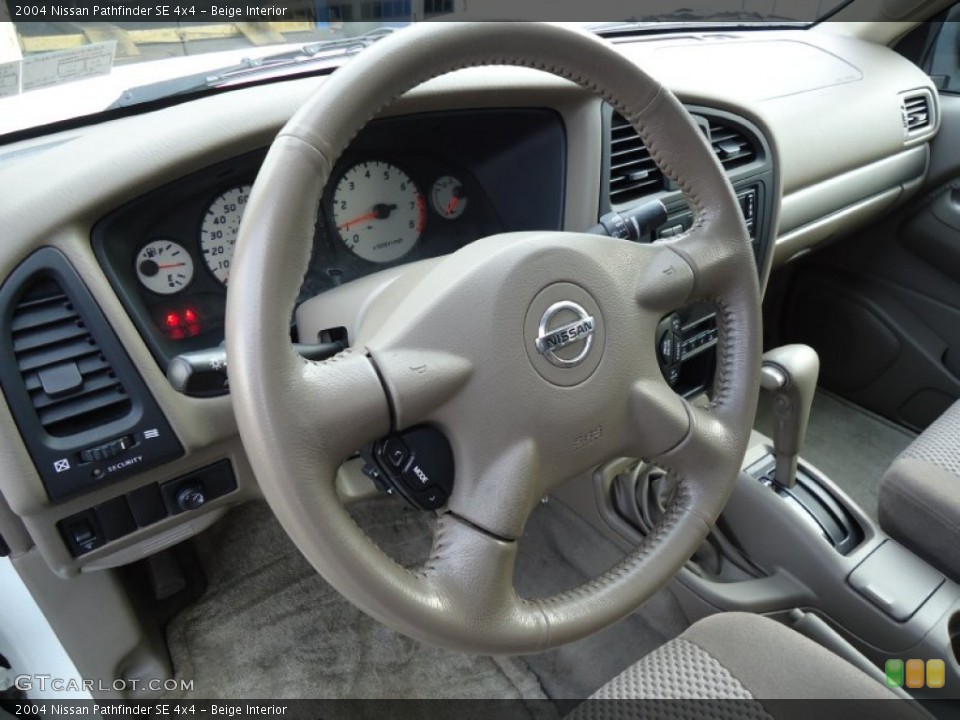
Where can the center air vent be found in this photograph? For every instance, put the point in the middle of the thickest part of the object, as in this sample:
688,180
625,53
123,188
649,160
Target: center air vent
732,147
633,173
71,385
916,110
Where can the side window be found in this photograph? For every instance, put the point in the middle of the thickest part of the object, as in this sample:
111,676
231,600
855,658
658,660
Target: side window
943,63
934,46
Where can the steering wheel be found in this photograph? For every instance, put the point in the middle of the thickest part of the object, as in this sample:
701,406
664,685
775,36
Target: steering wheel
471,349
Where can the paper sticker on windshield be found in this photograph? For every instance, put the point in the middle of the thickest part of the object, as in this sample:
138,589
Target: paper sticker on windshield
10,57
63,66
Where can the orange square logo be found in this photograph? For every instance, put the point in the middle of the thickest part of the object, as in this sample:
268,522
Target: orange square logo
915,673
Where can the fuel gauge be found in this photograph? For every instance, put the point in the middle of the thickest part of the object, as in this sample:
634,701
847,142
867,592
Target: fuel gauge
448,197
164,266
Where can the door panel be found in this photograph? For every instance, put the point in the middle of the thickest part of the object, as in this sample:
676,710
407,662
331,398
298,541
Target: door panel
883,306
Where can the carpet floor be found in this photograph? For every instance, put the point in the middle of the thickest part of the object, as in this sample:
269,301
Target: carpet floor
852,446
269,627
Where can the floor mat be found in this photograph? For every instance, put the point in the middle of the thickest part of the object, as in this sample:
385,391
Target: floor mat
852,446
560,550
270,627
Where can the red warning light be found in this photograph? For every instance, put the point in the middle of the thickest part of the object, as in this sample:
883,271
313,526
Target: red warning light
182,323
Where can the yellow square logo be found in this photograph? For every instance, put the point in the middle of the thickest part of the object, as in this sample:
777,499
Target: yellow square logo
936,674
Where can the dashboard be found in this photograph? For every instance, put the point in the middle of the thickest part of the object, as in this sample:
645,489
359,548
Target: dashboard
408,189
135,217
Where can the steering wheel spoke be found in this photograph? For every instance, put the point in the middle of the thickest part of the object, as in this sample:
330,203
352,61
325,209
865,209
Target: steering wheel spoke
663,278
659,418
340,404
500,480
419,381
471,574
715,256
707,444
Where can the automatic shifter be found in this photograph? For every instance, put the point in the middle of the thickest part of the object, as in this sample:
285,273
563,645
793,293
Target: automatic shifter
790,373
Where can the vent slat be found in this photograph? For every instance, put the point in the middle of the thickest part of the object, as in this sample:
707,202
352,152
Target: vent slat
634,186
47,336
89,365
621,140
638,151
32,361
645,163
94,403
47,330
91,384
42,312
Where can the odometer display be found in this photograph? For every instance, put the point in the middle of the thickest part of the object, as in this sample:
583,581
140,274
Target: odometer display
378,211
218,232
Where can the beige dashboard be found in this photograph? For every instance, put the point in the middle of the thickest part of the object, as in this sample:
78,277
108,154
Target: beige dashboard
829,106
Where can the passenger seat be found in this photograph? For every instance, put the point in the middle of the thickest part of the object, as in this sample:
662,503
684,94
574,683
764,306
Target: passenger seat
919,501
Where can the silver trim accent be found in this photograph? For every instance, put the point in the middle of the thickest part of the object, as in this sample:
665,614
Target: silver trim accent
580,330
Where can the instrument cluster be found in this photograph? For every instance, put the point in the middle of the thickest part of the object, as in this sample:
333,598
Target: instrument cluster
407,189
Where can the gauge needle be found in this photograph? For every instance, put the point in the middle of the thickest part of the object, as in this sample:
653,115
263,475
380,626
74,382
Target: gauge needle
171,265
367,216
381,211
452,205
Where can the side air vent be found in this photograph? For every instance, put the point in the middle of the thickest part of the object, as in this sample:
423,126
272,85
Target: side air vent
84,413
71,385
733,147
917,112
633,173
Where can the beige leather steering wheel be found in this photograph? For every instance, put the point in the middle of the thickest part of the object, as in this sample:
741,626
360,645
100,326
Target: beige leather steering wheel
458,350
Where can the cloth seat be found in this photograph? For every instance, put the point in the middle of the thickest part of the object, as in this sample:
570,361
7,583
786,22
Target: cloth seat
919,499
739,665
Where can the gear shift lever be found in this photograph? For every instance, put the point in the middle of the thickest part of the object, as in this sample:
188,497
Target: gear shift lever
790,373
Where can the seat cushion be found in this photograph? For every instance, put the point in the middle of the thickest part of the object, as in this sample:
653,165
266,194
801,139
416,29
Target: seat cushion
739,665
919,500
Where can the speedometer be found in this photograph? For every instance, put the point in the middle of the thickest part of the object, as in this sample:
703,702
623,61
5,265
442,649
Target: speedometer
218,232
379,211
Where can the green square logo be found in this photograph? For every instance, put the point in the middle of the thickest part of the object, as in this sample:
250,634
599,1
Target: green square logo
894,671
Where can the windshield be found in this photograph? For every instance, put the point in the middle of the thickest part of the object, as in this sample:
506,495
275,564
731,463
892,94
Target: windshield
71,59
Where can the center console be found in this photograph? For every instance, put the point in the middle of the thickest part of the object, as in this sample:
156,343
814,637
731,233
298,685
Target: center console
792,545
837,563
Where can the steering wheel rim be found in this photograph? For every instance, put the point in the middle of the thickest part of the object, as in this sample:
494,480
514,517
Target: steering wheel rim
300,420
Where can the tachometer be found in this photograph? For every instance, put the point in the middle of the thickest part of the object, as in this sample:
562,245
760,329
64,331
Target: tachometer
379,211
218,232
164,266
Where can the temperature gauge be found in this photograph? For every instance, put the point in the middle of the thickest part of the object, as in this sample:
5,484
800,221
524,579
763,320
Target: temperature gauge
164,267
448,197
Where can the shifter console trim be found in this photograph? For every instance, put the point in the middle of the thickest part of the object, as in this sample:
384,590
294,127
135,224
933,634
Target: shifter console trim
814,505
